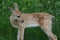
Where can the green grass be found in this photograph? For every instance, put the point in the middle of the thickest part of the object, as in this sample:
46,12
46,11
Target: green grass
7,32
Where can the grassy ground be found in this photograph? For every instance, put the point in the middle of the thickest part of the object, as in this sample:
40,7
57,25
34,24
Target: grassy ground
7,32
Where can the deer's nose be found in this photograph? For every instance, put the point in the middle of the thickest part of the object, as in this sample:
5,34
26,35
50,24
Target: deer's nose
22,21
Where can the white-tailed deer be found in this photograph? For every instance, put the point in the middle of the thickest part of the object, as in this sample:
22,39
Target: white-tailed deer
21,21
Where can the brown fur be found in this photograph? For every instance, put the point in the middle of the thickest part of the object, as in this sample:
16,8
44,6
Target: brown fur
43,20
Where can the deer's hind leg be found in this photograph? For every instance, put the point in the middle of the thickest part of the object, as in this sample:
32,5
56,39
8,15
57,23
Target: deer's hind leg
46,27
49,33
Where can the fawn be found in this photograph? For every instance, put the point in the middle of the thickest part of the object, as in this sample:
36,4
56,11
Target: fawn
21,21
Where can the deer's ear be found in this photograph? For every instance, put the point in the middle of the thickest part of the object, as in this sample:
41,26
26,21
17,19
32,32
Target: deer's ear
11,9
16,6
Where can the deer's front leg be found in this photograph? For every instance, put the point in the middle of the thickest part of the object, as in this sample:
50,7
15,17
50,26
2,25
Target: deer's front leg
18,35
21,33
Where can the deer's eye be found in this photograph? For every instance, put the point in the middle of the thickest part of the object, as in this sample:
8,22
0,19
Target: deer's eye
18,16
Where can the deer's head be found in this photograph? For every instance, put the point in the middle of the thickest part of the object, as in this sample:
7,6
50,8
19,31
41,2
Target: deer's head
16,14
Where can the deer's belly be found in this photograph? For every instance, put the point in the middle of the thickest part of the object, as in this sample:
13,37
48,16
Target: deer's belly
31,24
